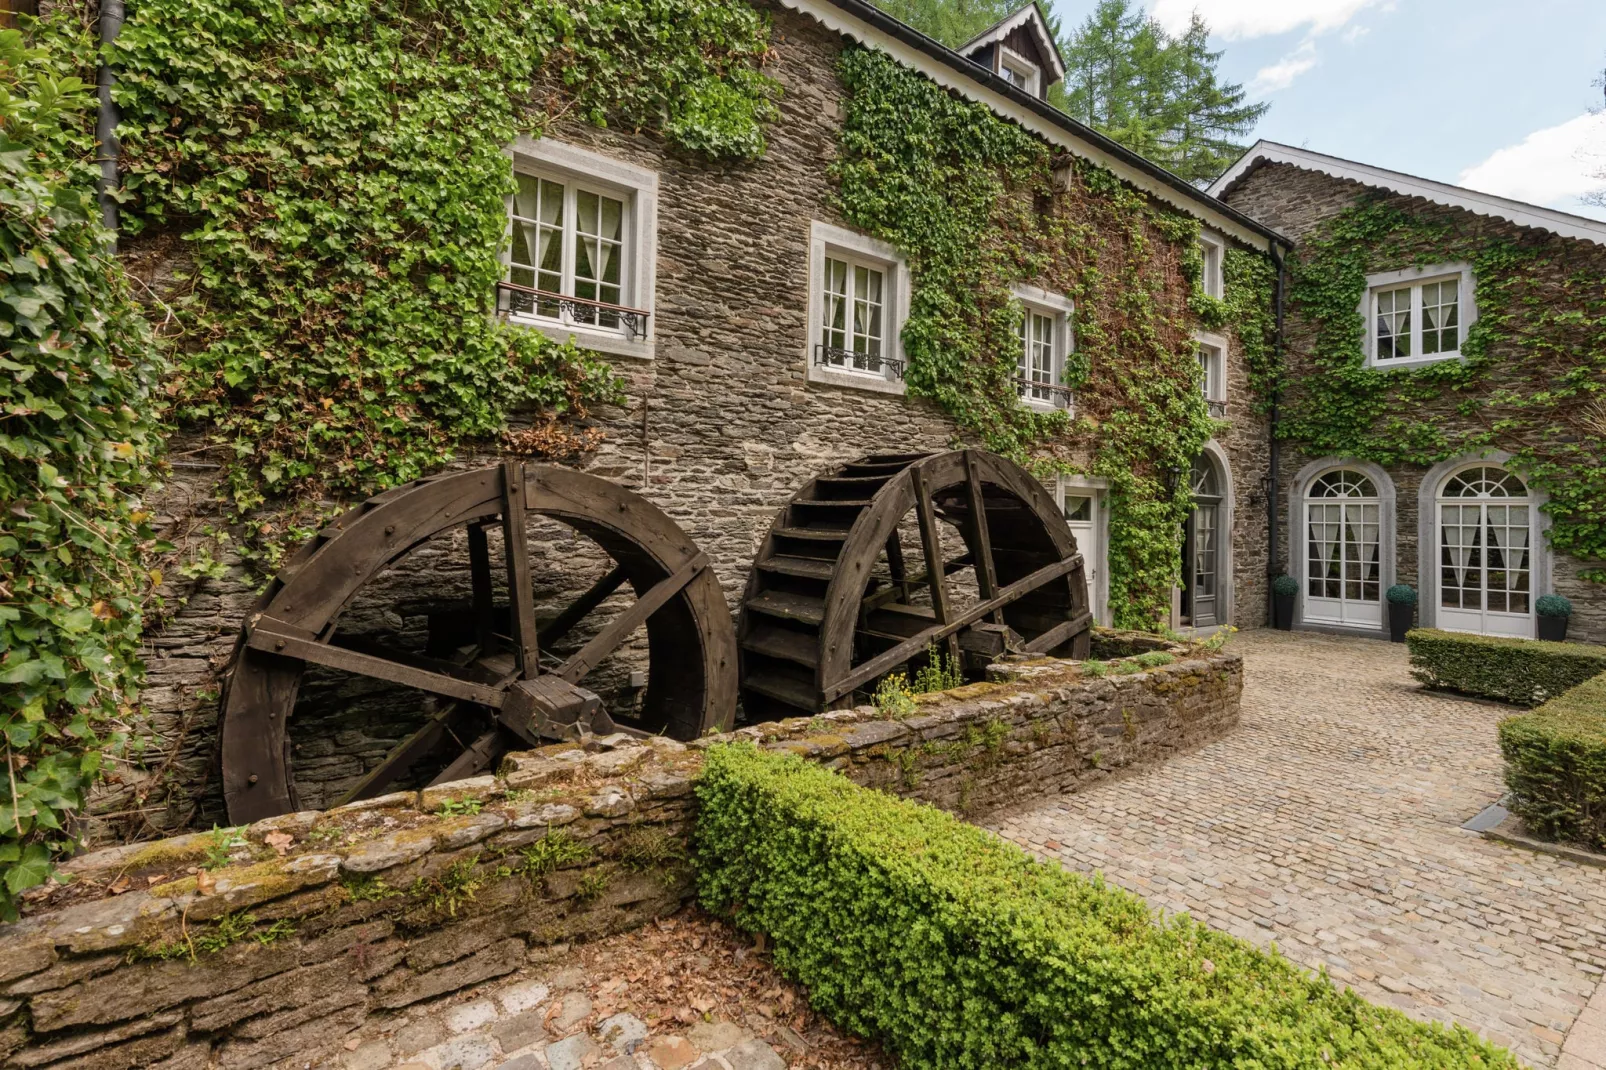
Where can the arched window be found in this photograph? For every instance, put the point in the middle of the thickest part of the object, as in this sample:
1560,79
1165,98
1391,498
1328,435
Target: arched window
1484,534
1343,549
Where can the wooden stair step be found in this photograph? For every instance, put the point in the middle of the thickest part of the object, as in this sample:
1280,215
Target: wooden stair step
784,689
833,503
812,568
813,534
798,607
784,644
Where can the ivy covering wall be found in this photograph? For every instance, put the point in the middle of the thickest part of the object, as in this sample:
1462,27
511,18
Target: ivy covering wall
971,200
336,173
1532,381
77,437
332,174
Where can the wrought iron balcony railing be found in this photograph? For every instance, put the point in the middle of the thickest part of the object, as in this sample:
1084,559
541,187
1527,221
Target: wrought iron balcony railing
1061,397
513,299
836,357
1218,409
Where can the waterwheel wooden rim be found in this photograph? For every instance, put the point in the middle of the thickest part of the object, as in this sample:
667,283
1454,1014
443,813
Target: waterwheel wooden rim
817,622
691,680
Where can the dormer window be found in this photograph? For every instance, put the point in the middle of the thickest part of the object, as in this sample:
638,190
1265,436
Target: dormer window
1020,50
1019,71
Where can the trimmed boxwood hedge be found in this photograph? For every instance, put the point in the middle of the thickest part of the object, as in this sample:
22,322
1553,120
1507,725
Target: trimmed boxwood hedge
959,951
1524,672
1556,765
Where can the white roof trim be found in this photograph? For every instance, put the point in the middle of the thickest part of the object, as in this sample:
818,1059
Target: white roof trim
1028,15
844,22
1524,215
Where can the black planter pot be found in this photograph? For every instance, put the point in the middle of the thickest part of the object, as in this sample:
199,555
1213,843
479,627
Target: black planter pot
1283,609
1401,614
1553,629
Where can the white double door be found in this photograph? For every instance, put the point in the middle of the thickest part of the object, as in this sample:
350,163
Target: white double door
1486,567
1343,574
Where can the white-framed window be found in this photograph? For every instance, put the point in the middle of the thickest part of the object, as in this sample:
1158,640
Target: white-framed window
1212,355
858,301
1213,250
1019,71
1417,316
579,260
1045,339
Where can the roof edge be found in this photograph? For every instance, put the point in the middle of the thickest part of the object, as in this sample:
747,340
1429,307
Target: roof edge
1563,224
870,25
1030,13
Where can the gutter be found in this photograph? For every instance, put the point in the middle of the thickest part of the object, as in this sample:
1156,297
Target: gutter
913,38
106,144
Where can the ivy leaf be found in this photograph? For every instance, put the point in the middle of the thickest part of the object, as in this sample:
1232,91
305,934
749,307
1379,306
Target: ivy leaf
28,871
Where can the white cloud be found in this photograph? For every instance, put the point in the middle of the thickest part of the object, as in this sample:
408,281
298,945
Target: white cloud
1281,75
1355,33
1554,166
1233,19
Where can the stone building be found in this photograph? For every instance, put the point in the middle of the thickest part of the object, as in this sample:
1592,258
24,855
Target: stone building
1476,335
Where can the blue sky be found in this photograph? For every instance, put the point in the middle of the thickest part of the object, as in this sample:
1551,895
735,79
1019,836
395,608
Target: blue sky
1492,94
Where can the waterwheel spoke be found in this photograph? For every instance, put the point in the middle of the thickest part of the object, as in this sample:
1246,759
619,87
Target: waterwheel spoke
480,756
890,659
931,542
274,636
607,641
598,593
409,750
479,570
981,538
520,591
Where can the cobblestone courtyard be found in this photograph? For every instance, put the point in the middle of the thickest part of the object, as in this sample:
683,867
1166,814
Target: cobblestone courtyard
1328,823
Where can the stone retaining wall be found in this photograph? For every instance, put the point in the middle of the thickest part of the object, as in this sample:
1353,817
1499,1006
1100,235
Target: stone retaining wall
240,948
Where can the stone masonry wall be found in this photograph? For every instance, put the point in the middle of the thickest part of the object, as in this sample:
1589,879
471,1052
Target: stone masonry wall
720,430
241,949
1296,202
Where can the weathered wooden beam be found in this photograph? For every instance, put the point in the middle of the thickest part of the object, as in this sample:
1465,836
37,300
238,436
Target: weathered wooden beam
481,754
981,538
479,570
276,637
1059,634
907,649
889,595
606,641
520,591
595,595
936,571
377,779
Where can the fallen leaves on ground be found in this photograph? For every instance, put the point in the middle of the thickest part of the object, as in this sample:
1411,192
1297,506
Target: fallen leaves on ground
690,968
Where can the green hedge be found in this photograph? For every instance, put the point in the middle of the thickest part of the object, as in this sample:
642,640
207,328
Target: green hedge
1556,765
1520,671
957,950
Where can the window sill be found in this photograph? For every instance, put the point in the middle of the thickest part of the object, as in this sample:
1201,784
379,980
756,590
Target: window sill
1041,406
614,343
876,384
1412,362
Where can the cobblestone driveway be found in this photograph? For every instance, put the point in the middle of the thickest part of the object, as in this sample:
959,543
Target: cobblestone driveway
1327,823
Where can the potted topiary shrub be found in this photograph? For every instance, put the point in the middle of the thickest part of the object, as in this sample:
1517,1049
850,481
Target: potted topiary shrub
1402,610
1283,589
1553,612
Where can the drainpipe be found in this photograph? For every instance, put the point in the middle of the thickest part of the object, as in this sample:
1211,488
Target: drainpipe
106,148
1272,496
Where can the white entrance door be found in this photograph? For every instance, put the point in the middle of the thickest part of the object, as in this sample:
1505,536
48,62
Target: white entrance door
1343,575
1082,507
1485,539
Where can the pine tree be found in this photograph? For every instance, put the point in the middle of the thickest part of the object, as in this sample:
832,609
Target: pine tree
1126,77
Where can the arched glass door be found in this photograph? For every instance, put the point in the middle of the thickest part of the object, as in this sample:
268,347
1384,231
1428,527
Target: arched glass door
1201,549
1343,576
1485,540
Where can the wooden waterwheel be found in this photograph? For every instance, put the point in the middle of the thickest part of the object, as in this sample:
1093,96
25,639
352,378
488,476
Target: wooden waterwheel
491,676
852,581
